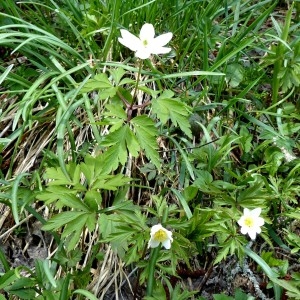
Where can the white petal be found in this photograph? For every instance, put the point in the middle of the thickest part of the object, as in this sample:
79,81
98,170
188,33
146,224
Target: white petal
252,234
241,221
153,244
166,244
257,229
246,211
169,234
163,39
143,53
147,32
256,212
260,221
129,40
155,228
160,50
244,230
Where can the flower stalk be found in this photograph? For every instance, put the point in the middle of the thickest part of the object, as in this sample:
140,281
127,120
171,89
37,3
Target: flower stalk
152,263
155,250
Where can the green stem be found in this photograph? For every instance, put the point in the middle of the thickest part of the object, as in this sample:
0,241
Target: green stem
153,259
137,81
152,263
154,70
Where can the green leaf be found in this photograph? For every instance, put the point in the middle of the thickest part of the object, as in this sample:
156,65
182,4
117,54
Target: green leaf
124,94
48,273
168,108
117,74
93,199
268,271
53,193
146,133
60,178
91,221
74,228
234,74
73,201
75,225
111,182
24,293
273,157
100,81
22,282
183,202
85,293
246,139
119,142
111,92
222,254
7,279
92,168
62,219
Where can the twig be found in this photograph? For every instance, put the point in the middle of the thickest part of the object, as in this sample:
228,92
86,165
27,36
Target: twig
205,278
190,148
21,222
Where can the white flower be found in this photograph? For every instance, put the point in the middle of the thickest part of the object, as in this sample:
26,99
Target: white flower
146,44
159,235
250,222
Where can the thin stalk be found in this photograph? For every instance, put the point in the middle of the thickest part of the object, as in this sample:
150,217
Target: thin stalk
153,69
152,263
137,81
91,118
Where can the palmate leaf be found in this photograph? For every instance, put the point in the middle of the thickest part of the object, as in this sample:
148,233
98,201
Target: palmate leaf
74,222
168,108
119,143
111,182
146,133
62,219
60,178
100,81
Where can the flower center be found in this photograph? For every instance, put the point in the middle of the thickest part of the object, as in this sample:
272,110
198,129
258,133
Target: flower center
249,222
160,236
145,43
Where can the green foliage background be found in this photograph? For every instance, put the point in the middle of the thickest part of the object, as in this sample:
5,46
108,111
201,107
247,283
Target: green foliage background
98,154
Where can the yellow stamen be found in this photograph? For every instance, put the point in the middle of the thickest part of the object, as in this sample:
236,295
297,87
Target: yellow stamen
249,222
145,43
160,236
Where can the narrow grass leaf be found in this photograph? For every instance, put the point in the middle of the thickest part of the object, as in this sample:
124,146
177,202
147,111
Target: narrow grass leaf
85,293
4,261
64,292
14,196
6,72
183,202
48,273
184,157
269,272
